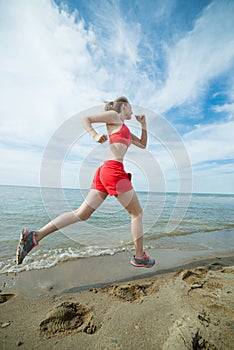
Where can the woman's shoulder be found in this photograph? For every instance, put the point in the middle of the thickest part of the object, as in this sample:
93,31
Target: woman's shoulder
113,117
108,117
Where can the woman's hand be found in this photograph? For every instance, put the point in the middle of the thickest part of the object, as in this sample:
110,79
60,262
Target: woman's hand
101,138
140,118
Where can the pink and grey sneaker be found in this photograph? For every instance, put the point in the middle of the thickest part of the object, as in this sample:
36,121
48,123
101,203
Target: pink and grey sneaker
143,261
26,243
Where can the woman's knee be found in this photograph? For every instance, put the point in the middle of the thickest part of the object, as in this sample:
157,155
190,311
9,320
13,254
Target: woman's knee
82,215
138,214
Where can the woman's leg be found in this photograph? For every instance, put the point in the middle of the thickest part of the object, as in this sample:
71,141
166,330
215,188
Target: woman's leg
28,240
93,200
130,202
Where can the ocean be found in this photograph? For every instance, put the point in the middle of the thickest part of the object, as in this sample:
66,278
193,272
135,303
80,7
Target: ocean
199,222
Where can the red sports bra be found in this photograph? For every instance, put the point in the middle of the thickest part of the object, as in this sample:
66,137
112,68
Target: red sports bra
121,136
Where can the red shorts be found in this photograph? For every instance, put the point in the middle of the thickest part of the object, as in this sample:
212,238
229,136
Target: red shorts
112,178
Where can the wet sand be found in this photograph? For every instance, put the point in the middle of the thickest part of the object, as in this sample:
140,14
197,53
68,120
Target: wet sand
185,302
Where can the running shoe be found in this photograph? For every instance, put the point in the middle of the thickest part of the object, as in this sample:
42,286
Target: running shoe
26,243
143,261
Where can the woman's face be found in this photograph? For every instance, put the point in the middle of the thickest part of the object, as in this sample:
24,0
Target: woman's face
128,111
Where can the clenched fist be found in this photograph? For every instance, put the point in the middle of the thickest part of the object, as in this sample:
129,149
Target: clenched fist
101,138
140,118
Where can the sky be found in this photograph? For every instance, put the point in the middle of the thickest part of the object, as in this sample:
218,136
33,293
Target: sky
173,59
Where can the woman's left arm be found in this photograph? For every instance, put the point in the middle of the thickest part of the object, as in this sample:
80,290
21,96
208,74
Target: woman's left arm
140,142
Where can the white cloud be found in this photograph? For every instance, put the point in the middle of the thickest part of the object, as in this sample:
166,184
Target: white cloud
53,64
19,166
203,53
213,177
117,37
210,142
227,108
211,151
47,70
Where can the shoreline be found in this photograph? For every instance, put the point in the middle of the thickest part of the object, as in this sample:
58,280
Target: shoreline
97,271
105,303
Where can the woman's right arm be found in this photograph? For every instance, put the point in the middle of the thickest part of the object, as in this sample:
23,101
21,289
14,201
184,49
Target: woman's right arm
109,117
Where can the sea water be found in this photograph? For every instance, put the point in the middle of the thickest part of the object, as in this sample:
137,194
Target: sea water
171,221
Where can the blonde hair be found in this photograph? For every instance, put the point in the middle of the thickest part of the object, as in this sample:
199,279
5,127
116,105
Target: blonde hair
116,104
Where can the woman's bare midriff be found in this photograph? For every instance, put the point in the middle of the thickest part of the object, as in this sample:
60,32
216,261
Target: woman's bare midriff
117,151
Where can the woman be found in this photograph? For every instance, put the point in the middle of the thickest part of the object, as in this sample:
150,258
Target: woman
110,179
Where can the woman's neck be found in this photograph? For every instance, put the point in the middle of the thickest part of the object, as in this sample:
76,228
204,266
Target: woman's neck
122,117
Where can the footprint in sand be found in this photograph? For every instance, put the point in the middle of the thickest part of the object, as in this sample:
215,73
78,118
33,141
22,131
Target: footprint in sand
192,275
200,273
201,277
5,297
131,292
66,318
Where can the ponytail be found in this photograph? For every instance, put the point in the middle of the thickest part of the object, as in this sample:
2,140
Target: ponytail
109,105
116,104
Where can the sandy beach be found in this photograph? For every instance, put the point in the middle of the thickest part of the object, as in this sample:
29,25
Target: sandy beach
185,302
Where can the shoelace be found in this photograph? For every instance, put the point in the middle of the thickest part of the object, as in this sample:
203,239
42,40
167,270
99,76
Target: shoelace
146,256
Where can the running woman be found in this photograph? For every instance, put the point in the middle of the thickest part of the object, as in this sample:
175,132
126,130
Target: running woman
109,179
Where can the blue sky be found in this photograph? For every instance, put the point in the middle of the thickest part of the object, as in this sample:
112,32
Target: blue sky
174,60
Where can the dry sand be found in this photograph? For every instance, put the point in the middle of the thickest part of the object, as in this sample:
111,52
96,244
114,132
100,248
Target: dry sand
81,305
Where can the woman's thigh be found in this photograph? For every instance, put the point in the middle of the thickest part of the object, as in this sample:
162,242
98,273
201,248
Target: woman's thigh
130,202
92,201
